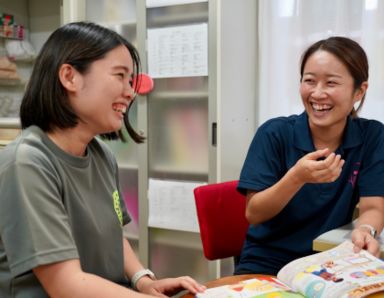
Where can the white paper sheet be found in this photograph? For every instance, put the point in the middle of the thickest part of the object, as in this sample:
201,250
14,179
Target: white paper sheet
172,205
158,3
180,51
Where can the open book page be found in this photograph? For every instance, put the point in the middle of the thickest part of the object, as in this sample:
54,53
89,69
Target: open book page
261,287
338,272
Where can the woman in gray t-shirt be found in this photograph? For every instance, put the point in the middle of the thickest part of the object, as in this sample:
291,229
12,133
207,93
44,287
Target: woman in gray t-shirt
61,209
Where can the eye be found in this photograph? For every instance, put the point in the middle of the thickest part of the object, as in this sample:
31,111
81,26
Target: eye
309,81
332,83
121,75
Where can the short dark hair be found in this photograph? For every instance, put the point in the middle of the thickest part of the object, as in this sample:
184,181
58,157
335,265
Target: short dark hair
350,53
45,102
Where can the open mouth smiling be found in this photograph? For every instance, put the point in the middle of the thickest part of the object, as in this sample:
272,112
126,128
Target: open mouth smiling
119,107
321,107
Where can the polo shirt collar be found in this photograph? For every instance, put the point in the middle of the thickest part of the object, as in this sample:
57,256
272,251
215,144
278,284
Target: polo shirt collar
353,135
303,138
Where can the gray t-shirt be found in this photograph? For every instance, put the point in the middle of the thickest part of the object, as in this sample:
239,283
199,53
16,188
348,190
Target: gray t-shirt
54,207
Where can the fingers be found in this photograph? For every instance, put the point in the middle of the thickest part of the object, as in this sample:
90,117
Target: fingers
191,285
171,286
330,169
363,240
315,155
322,171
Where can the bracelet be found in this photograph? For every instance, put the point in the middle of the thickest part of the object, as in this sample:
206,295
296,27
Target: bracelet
371,229
139,274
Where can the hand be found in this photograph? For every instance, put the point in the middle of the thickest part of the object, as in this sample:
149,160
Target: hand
169,286
362,239
309,169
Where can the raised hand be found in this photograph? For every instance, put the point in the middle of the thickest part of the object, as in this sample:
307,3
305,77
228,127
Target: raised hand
320,166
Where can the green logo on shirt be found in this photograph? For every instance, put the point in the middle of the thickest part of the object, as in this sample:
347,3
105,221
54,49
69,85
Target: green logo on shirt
116,205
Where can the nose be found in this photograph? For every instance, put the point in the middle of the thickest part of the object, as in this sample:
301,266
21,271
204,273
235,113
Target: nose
318,91
129,92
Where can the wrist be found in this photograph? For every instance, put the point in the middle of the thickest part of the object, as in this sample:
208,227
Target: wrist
294,177
141,275
370,229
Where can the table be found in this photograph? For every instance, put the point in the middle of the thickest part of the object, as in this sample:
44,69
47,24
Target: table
336,236
229,280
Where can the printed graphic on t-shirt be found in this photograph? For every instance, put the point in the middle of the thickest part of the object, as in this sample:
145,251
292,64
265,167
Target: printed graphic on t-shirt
116,205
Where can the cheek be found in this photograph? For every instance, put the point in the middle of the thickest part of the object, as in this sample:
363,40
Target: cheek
303,91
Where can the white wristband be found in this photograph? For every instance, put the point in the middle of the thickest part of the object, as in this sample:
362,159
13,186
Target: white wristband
139,274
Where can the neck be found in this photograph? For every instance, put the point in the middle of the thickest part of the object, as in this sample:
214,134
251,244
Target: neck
70,140
330,138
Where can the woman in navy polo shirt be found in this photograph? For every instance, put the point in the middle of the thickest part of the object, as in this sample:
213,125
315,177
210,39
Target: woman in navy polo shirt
304,174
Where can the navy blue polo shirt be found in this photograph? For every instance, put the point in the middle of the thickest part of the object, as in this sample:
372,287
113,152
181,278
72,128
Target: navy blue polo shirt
316,208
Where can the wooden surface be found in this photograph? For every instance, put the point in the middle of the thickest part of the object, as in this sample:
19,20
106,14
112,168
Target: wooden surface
227,280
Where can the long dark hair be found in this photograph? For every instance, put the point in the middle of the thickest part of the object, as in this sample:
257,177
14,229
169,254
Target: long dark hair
45,102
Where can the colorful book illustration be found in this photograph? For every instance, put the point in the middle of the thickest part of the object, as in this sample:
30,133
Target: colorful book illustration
263,287
338,272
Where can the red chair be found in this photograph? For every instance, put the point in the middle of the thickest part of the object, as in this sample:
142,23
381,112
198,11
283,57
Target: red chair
221,216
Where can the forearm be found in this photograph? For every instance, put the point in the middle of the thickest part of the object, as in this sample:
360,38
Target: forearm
131,262
88,285
371,212
264,205
133,265
66,279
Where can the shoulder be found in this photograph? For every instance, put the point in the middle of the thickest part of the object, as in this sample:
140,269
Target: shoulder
280,123
28,147
279,128
369,128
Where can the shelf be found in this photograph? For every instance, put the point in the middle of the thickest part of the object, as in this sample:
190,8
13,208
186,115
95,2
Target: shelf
128,166
172,169
10,82
175,238
179,95
10,37
119,23
9,122
29,59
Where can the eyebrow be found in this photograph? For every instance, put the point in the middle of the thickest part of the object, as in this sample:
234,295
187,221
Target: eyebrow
118,67
327,75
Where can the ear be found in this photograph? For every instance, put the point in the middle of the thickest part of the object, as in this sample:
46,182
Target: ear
359,93
68,77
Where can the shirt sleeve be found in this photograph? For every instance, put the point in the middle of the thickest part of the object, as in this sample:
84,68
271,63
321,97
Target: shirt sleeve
33,222
371,176
264,164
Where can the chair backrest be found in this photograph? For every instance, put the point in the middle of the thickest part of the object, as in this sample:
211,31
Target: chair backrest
221,216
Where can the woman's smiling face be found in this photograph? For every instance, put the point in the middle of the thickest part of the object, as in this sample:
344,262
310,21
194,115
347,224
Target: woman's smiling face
327,90
105,91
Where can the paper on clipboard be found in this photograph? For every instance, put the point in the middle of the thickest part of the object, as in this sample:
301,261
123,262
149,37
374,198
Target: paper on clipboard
172,205
180,51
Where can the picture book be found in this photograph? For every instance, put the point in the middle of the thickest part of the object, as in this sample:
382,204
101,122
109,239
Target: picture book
338,272
261,287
